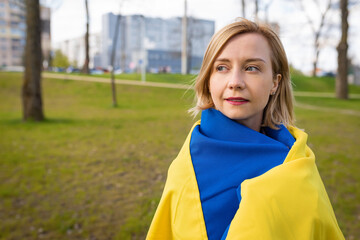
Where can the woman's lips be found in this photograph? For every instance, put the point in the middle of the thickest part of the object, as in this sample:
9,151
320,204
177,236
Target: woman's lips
236,100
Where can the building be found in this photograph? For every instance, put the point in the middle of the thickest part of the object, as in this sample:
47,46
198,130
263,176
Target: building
155,42
13,32
74,49
45,16
354,75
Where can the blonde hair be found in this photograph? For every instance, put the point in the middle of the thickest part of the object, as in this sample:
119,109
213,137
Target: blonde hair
279,109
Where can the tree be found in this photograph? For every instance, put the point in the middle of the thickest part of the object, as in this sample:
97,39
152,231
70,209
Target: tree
113,52
256,10
60,60
184,41
112,60
31,88
266,10
317,30
243,8
87,58
343,63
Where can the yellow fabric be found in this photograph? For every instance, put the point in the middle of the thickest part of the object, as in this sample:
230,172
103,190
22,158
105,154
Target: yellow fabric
179,214
287,202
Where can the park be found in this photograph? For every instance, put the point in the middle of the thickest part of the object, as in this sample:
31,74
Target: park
86,140
94,171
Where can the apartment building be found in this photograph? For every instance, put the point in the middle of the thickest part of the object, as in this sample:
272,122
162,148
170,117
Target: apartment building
155,42
74,49
13,32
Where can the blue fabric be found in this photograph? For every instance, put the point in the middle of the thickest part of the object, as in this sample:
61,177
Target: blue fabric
224,154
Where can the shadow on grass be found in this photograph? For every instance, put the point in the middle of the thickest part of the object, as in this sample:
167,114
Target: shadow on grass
65,123
47,121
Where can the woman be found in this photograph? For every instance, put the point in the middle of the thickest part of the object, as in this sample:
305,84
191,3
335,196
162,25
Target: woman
244,171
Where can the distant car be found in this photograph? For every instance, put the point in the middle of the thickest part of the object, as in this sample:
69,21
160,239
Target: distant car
58,69
326,74
72,70
96,71
118,71
329,74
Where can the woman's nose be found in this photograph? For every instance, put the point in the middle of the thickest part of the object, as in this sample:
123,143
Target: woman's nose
236,81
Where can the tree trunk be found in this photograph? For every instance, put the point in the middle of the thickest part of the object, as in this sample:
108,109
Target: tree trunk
341,78
87,58
256,10
243,6
112,60
184,41
123,47
189,55
316,53
31,89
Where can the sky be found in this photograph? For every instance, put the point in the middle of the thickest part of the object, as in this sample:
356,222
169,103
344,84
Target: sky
68,21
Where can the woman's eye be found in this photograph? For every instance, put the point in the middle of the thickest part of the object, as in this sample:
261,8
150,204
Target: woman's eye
221,68
252,68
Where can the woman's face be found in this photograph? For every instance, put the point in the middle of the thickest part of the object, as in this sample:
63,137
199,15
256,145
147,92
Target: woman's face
242,79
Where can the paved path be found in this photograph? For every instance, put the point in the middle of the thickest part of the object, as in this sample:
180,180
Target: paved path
327,109
187,87
169,85
117,81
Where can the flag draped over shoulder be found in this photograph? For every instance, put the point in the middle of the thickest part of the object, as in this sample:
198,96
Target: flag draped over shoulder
283,197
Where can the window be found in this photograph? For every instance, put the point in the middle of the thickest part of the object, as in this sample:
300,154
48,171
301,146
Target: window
14,6
15,41
14,31
22,25
17,32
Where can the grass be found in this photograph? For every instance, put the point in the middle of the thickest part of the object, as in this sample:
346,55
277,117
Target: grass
85,171
334,139
91,171
335,104
300,82
150,77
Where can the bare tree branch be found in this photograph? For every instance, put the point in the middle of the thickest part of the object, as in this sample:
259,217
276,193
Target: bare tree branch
266,9
309,19
317,31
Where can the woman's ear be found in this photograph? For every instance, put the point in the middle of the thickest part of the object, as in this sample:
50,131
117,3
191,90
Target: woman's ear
276,82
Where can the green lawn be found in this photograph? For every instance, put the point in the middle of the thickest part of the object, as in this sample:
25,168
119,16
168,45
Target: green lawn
300,82
94,171
150,77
